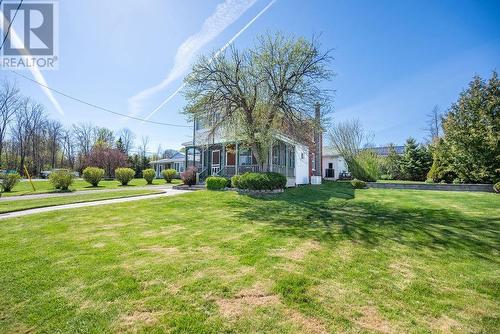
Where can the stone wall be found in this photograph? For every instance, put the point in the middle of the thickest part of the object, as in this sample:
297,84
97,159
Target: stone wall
433,186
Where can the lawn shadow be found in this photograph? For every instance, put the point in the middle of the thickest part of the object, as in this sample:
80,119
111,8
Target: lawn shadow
327,213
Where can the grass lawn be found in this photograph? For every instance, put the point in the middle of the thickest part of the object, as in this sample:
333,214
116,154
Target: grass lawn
311,260
24,188
21,204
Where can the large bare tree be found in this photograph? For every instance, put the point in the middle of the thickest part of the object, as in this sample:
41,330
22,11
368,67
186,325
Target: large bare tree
9,105
253,93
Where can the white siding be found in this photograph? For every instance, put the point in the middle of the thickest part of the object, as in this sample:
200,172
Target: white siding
339,165
301,164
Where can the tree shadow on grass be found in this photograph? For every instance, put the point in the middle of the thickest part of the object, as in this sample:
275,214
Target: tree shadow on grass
327,213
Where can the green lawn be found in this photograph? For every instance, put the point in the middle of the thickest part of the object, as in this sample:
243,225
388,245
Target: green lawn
10,206
24,188
312,260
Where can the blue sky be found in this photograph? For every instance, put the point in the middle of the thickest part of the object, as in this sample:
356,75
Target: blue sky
394,60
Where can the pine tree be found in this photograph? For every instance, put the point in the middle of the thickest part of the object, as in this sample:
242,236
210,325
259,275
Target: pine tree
415,162
472,131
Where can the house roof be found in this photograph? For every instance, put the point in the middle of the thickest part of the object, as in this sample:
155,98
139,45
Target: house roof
178,157
380,150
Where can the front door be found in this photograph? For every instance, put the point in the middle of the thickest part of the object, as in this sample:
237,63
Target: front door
215,162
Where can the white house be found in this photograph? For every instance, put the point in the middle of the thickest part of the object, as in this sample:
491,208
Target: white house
216,155
177,162
332,164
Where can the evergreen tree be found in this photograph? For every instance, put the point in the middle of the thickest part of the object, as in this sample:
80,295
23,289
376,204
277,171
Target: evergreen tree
472,131
392,163
415,162
120,146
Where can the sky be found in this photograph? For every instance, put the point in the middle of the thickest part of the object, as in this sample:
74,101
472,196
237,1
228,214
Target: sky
393,60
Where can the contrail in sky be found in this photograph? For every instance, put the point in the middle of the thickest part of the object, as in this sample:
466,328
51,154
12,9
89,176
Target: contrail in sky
214,56
37,74
225,14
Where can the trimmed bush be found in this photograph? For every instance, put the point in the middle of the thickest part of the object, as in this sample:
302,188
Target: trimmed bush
496,187
235,181
9,181
169,174
189,176
358,184
149,175
261,181
61,179
386,177
216,183
93,175
124,175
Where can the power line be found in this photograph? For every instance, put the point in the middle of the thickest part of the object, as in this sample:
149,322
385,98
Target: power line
10,23
96,106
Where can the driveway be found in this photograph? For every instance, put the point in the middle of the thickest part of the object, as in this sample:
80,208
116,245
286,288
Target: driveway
82,192
167,192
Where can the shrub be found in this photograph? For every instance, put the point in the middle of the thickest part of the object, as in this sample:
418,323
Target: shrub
429,180
9,181
189,176
61,179
169,174
235,181
386,177
261,181
216,183
149,175
124,175
457,181
365,166
496,187
93,175
358,184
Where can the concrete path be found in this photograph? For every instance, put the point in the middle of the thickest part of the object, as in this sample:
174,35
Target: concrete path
82,192
168,192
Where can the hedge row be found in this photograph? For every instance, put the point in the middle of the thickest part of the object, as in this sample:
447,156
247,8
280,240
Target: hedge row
259,181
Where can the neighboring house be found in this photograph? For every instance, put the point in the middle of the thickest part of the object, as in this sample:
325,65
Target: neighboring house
177,162
215,155
333,163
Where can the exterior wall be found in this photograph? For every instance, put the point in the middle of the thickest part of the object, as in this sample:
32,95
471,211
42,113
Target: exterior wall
301,164
339,165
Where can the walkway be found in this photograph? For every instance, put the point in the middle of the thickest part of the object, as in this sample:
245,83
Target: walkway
82,192
168,192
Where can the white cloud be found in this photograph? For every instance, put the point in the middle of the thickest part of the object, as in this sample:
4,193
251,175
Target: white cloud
224,15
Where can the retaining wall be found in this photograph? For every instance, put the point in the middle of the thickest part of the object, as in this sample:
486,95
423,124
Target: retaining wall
433,186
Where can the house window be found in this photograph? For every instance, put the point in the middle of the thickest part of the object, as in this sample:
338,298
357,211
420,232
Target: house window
245,157
291,156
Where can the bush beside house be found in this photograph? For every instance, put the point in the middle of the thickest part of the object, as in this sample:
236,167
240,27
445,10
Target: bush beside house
189,176
216,183
169,174
149,175
260,181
